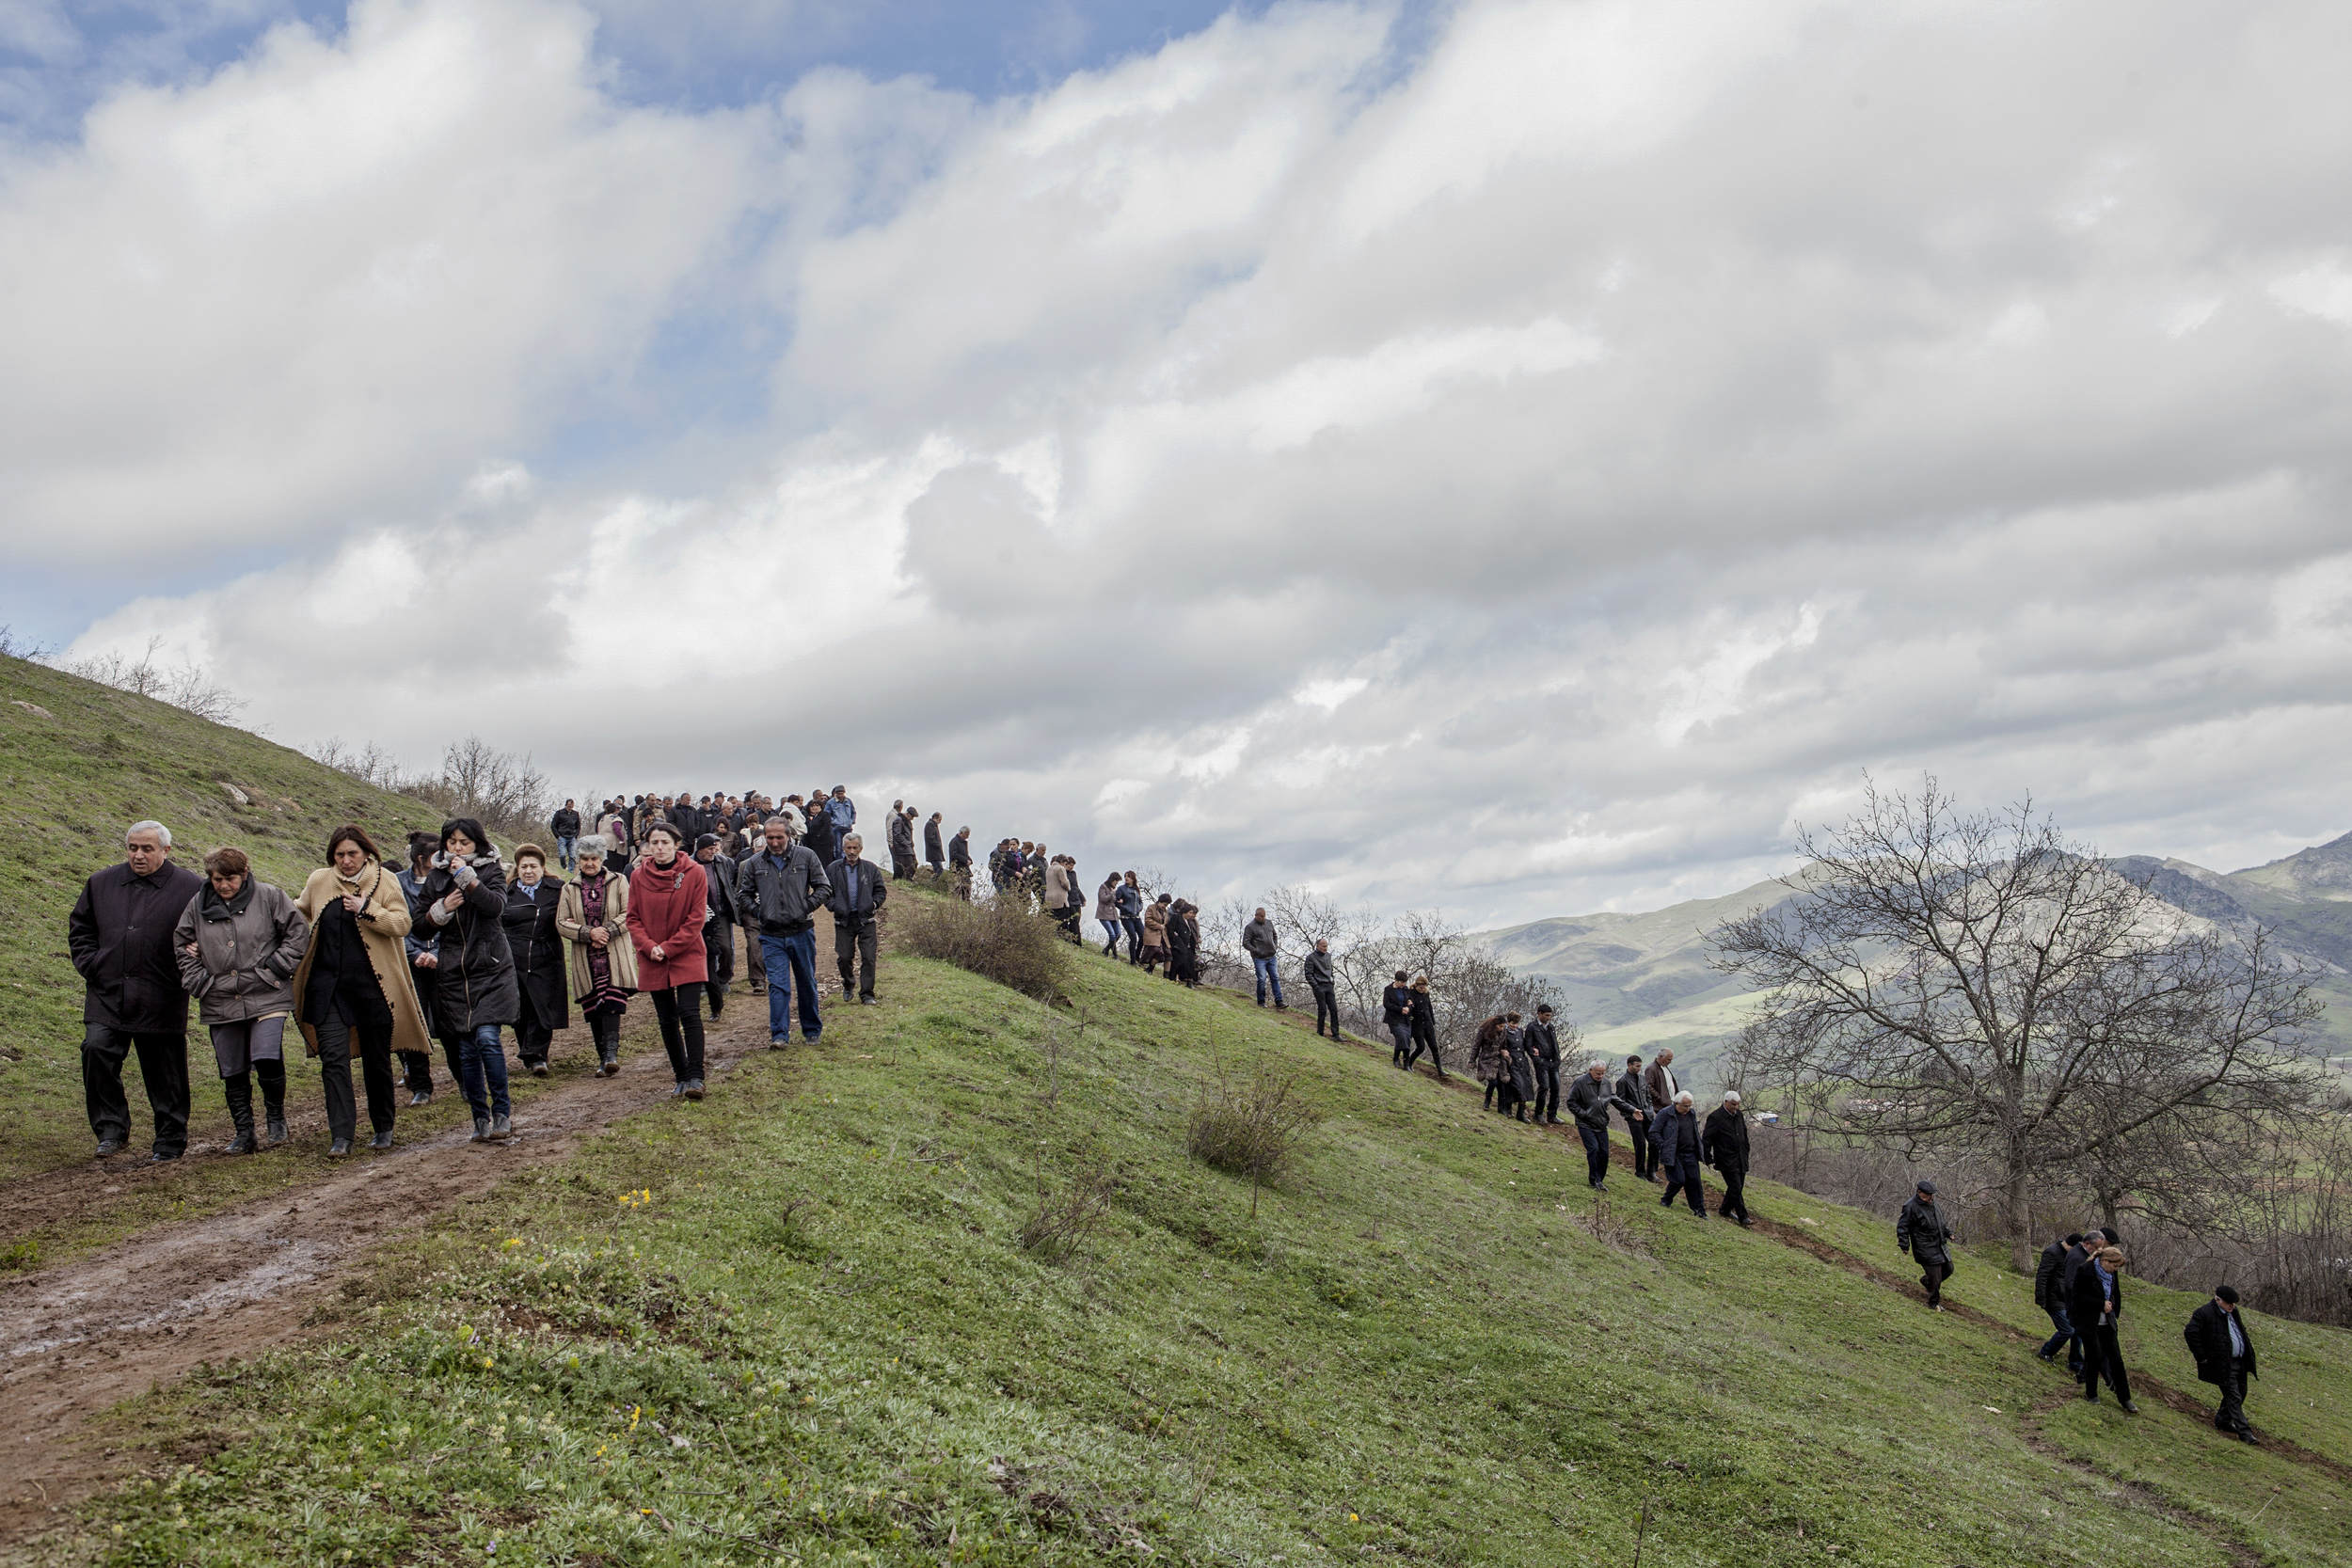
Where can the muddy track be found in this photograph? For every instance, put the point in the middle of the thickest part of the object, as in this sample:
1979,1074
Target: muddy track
2242,1553
78,1339
2143,1385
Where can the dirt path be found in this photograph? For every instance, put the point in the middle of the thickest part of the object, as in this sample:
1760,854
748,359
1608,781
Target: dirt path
79,1339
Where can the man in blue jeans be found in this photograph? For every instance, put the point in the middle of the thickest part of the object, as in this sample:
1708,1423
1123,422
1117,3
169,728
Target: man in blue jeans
782,888
2049,1293
1257,940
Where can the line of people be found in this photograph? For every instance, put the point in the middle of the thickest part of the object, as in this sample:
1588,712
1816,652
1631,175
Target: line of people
374,963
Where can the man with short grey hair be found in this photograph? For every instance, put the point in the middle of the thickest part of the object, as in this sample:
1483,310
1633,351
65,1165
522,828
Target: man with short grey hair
120,935
1589,1102
1724,1144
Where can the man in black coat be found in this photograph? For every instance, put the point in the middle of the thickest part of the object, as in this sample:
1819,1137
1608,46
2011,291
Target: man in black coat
1923,1232
859,891
2096,1306
1542,1044
1634,1090
1724,1142
120,935
1589,1102
2051,1280
934,852
2224,1350
960,863
720,884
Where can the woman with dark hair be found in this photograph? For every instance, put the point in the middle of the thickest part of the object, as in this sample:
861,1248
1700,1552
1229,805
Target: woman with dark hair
1424,1028
240,943
593,916
1491,1063
1184,943
353,984
465,901
1155,937
668,898
1518,1067
538,951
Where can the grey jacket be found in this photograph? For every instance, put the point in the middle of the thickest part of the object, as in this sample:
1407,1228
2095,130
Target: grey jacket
1590,1098
1257,939
248,950
1318,970
782,899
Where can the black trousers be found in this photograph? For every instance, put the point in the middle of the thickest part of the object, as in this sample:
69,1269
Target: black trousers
1595,1151
1425,1038
1644,1157
1327,1006
719,947
1735,1203
679,1011
854,948
1548,1094
1931,1278
2232,1415
376,1070
1682,1177
163,1071
2104,1356
531,1037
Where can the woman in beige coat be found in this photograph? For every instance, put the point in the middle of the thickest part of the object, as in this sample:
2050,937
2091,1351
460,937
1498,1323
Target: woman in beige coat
353,985
593,920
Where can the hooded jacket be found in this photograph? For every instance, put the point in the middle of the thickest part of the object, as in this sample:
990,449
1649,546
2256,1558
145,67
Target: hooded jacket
1924,1233
248,950
474,982
120,934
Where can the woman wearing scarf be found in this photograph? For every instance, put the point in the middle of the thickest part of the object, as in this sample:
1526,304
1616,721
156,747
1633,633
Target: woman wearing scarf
1184,943
240,943
353,983
1424,1028
538,951
593,916
463,899
2098,1303
667,902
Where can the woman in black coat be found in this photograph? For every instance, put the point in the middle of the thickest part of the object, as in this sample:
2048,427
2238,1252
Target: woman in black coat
537,949
462,902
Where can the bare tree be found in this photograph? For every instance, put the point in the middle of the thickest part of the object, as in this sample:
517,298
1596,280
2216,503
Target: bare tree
185,686
33,653
1987,989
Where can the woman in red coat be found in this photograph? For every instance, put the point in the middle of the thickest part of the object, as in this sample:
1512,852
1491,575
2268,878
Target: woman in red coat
669,899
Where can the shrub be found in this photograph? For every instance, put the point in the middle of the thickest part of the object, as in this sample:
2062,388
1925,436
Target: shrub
995,940
1251,1130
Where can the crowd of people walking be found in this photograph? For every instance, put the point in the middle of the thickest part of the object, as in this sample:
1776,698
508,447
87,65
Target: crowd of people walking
461,944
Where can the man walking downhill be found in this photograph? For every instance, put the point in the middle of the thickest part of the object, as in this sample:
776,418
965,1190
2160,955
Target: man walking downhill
1396,1012
2050,1280
1634,1092
858,895
722,891
1922,1231
1589,1099
783,888
1543,1045
1257,940
564,825
2224,1352
1678,1138
120,935
902,842
755,960
1321,981
1724,1142
934,852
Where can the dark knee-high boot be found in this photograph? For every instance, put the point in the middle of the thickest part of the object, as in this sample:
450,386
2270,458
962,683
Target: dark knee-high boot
606,1027
273,1077
240,1092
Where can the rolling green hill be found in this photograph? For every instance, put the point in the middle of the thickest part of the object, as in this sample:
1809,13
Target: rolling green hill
801,1322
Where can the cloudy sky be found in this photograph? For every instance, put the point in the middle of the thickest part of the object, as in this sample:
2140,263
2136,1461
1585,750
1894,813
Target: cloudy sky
1514,457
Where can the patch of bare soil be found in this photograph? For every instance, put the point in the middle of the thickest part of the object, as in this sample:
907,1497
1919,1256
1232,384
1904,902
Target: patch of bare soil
79,1339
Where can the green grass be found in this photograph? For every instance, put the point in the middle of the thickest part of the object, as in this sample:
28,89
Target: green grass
814,1337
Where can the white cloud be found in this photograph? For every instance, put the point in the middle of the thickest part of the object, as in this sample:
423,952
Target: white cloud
1526,478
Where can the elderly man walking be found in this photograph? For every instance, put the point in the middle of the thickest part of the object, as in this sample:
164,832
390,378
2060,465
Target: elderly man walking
1325,985
120,935
1257,940
1923,1232
1724,1142
1678,1140
858,896
2224,1352
1589,1100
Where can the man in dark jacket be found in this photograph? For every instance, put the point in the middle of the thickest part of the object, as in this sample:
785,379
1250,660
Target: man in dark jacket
1543,1045
1325,986
2096,1306
1678,1138
1396,1012
1922,1231
782,888
1724,1144
934,853
2051,1278
902,842
721,885
1634,1090
120,935
858,895
564,825
1589,1102
1257,940
960,863
2224,1352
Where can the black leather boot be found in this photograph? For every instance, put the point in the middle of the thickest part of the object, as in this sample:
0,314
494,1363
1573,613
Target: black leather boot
240,1092
273,1077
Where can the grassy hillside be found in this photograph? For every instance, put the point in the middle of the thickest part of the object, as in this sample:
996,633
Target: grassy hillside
798,1323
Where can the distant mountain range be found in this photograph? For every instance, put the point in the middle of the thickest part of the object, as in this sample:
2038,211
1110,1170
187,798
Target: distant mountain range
1636,982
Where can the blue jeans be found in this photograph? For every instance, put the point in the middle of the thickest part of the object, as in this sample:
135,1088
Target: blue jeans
791,966
1267,975
1112,930
564,851
482,1072
2065,1336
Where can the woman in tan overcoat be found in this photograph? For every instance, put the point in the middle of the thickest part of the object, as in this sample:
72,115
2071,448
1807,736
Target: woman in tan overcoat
354,985
592,919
